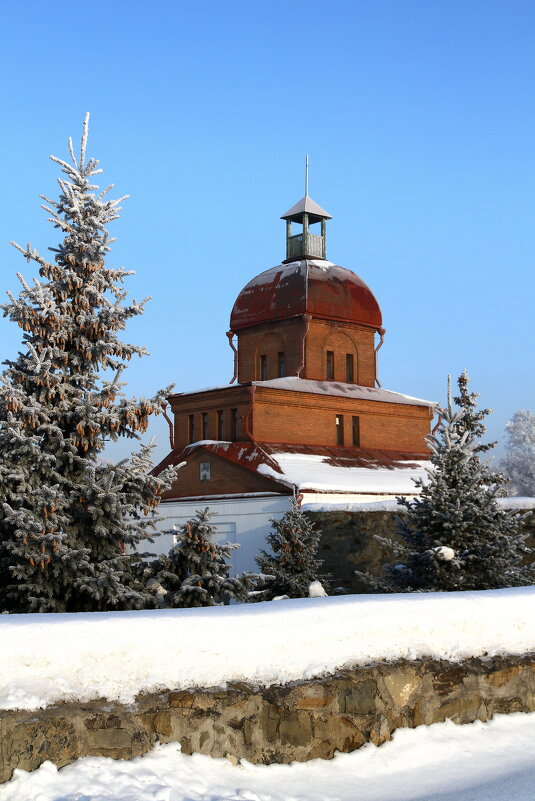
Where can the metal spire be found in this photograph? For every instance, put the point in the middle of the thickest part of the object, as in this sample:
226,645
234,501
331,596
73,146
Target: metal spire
306,175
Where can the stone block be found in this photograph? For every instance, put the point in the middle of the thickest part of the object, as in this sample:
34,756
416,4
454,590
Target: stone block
499,678
445,680
162,722
335,733
401,684
459,710
115,743
295,729
361,698
183,699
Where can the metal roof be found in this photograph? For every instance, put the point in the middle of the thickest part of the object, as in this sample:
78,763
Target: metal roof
338,388
306,204
307,286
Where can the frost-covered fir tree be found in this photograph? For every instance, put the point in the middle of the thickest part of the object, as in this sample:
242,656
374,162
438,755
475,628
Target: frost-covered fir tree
67,520
519,461
469,418
196,571
455,536
292,565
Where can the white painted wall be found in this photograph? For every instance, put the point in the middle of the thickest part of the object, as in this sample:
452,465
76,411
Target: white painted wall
239,520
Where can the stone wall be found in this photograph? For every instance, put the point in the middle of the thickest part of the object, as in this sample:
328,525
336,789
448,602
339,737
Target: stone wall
298,721
348,544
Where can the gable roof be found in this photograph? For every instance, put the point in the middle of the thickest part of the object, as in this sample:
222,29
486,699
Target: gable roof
316,468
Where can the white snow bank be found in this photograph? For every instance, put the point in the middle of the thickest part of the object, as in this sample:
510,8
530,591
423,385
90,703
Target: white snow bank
49,658
444,762
516,504
313,472
344,506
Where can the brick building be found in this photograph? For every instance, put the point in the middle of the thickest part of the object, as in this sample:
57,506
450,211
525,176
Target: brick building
305,411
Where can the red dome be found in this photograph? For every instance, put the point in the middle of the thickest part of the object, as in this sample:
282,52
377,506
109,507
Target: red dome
318,288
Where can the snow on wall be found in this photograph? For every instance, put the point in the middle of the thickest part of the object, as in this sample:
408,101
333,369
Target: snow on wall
343,504
47,658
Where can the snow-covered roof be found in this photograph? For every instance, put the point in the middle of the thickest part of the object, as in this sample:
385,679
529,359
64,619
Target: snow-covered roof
308,468
316,473
342,390
337,388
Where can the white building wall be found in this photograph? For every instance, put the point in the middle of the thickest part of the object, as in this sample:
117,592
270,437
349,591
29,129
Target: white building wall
243,520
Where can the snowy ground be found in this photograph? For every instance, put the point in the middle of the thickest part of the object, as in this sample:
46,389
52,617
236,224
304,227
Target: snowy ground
45,659
491,761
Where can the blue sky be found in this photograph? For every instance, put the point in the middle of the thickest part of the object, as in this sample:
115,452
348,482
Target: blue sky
419,118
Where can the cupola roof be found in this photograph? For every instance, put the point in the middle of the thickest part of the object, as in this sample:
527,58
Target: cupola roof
308,206
314,287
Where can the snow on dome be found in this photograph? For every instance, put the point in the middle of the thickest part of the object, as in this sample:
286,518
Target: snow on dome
310,286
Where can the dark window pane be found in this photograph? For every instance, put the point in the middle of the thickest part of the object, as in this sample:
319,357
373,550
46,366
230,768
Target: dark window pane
263,368
339,429
281,364
191,427
349,368
204,425
220,425
330,365
356,431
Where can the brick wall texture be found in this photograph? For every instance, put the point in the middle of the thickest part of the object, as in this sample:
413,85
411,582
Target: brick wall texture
225,478
305,344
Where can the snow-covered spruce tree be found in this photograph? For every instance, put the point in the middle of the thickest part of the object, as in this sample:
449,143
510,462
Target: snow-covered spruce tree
293,564
469,418
196,571
519,461
68,520
454,535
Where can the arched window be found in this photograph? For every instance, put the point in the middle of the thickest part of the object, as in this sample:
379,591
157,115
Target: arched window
340,358
270,357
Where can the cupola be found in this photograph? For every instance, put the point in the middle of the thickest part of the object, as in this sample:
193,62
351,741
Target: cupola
306,244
